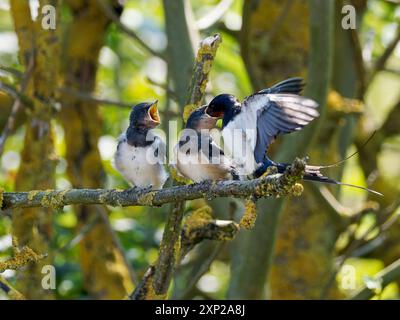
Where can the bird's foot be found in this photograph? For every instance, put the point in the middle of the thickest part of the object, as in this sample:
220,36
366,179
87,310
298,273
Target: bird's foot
133,189
136,189
206,182
270,170
146,189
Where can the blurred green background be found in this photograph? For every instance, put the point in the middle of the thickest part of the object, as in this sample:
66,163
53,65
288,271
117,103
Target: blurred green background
130,74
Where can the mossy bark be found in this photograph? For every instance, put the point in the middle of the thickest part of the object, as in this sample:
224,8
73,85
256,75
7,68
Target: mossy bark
33,227
105,271
285,36
274,40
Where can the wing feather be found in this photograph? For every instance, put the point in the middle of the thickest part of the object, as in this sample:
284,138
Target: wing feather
275,114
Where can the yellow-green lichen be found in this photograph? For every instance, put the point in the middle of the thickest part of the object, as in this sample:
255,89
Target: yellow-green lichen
187,110
207,66
209,46
338,103
250,214
53,199
146,199
1,197
32,194
21,257
270,170
179,178
297,189
199,217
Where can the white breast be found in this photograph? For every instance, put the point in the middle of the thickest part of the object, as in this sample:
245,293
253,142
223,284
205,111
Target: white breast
239,142
197,167
139,165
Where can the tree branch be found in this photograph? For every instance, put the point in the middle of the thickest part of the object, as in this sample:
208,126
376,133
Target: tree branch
108,11
15,107
274,185
10,291
214,15
381,61
198,226
169,249
387,275
204,59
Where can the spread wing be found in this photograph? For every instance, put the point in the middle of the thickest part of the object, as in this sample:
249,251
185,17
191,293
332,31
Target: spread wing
275,114
291,85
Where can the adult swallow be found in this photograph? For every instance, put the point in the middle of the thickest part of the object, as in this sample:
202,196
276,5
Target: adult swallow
248,128
140,154
198,157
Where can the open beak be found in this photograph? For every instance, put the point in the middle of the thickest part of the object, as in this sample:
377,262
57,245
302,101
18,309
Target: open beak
213,114
153,113
210,114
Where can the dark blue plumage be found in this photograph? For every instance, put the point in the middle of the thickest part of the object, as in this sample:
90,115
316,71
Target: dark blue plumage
262,117
140,154
198,157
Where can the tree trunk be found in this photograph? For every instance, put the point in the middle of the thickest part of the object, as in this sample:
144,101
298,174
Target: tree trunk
251,264
105,271
33,227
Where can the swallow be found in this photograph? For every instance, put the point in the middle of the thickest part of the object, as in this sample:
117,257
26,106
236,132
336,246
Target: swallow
198,157
140,154
249,127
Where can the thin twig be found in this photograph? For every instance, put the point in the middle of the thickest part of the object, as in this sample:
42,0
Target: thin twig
9,290
203,268
387,275
381,61
214,15
356,243
15,107
145,289
165,87
82,96
114,18
359,63
12,71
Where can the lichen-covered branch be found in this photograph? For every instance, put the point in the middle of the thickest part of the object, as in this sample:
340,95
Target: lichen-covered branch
274,185
10,291
198,226
21,257
204,59
169,249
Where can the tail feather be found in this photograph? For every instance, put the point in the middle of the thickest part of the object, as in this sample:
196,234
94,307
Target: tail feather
291,85
313,174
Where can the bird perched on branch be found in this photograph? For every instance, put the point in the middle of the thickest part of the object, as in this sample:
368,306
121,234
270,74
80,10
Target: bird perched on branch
249,127
198,157
140,154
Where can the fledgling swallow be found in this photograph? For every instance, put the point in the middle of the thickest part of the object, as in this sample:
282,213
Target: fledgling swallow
248,128
198,157
140,154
